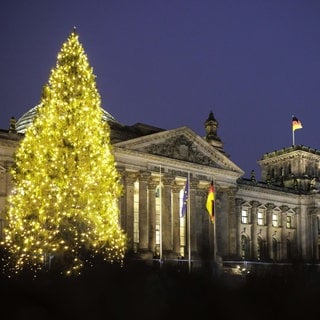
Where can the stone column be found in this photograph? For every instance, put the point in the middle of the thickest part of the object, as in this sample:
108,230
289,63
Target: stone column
269,212
129,178
152,214
176,219
143,212
121,202
229,219
314,235
167,216
283,236
254,233
193,216
235,232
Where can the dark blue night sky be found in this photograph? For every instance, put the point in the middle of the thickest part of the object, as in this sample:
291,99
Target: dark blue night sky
169,63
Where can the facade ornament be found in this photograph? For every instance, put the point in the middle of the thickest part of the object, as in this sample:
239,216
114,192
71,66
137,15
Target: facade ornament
182,149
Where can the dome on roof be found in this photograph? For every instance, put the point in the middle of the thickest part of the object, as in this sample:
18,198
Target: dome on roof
26,120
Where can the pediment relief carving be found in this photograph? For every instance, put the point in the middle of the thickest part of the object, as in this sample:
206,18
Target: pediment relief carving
180,148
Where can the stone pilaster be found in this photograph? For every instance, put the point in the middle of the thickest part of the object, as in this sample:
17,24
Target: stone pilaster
254,232
269,212
284,234
314,234
235,230
152,185
167,215
193,216
129,178
143,211
176,219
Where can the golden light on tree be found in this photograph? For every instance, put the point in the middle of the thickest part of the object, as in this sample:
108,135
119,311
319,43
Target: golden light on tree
66,187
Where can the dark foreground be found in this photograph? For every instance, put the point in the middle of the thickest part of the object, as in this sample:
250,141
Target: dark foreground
140,291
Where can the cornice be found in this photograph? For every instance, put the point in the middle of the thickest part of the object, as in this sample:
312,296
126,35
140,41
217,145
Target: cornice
289,153
148,161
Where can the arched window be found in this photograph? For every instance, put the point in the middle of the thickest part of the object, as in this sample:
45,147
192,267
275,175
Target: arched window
261,250
289,249
275,249
245,247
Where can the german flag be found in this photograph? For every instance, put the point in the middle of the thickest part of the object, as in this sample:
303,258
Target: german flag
210,202
296,123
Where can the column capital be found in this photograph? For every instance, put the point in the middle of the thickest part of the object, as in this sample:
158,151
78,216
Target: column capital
270,206
176,187
194,183
255,203
153,183
167,180
144,176
130,176
284,208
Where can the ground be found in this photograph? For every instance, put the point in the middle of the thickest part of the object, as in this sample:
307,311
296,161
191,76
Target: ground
141,291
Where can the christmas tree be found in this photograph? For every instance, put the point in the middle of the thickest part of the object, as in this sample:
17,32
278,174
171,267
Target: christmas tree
64,202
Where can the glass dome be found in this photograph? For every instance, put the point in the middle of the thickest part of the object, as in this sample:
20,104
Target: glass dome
26,120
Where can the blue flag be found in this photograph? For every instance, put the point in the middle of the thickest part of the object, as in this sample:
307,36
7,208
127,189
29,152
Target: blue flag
185,199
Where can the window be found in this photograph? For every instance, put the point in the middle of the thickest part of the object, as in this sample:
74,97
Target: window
261,220
289,249
275,219
245,215
261,248
289,222
136,215
245,247
275,249
158,213
183,226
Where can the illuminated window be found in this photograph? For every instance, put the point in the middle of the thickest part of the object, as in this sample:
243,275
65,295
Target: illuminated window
158,213
183,226
261,217
245,215
289,222
275,219
136,215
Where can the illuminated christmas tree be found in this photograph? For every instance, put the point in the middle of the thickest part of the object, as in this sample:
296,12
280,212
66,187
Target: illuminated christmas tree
64,204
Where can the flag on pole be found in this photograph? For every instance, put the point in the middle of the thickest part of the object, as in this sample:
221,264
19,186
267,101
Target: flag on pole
296,123
210,202
185,199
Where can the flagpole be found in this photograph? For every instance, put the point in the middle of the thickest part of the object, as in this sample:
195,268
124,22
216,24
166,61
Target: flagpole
292,130
160,222
292,137
189,220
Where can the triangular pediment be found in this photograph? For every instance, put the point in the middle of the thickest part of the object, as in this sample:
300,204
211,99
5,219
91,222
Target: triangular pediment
181,144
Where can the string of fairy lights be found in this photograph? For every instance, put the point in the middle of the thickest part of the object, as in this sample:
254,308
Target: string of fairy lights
64,202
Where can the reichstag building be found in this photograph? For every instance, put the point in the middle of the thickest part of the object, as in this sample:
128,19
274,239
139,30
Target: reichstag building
275,220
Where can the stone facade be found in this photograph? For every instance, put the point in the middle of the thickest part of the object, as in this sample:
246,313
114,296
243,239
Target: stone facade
273,220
